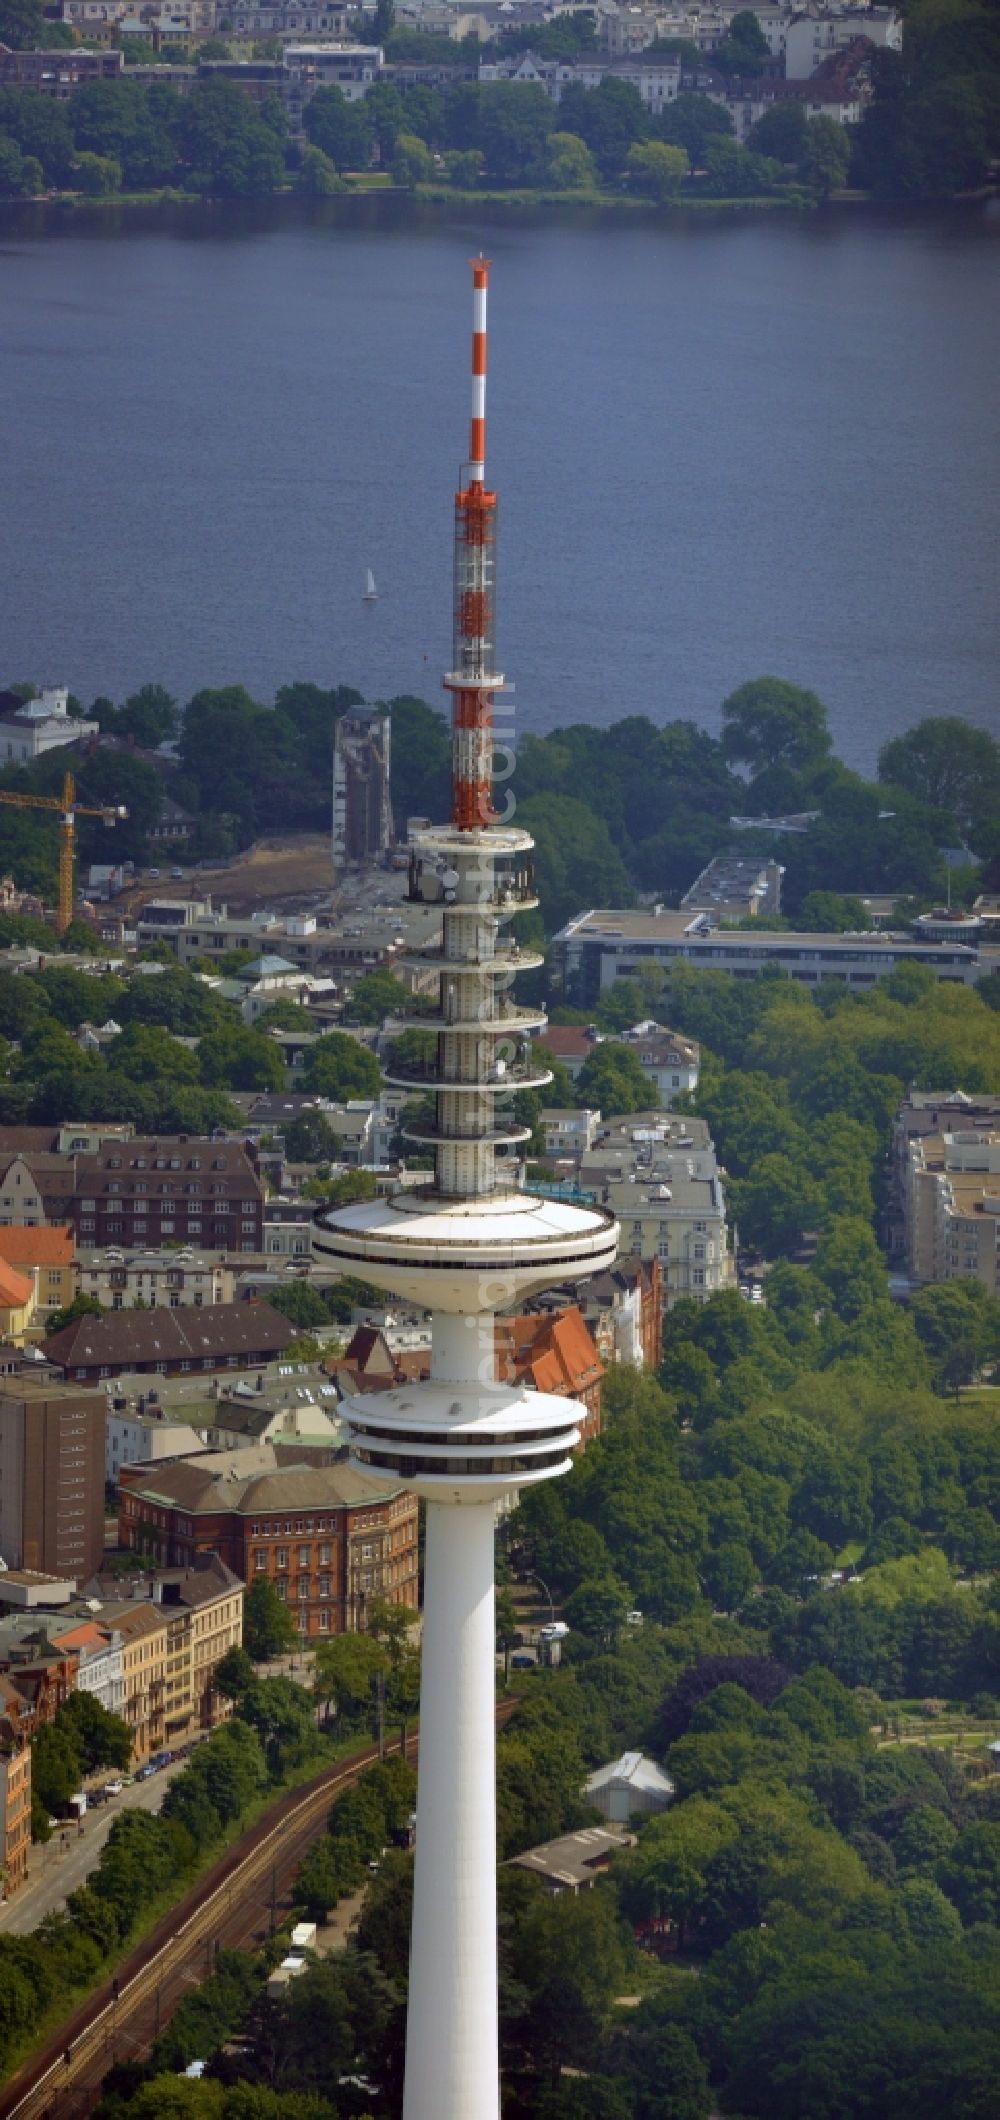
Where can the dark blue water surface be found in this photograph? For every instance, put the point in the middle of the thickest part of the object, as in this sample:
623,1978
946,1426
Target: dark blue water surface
723,446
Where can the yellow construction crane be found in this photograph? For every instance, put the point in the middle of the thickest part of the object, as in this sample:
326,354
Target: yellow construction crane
69,810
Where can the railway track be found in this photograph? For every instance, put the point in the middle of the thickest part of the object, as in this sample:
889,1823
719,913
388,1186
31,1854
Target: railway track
235,1904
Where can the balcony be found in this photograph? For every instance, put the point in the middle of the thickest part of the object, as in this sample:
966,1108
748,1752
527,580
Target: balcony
425,1078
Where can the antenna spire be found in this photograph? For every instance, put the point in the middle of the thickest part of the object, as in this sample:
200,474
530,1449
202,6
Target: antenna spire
473,680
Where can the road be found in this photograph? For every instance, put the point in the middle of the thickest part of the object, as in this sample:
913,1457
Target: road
57,1866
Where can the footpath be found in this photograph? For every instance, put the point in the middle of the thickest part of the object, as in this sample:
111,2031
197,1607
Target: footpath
57,1866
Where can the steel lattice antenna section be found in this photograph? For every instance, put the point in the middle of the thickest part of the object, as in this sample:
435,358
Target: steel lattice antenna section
465,1248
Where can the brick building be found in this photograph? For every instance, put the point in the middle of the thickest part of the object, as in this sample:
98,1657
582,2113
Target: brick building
621,1308
51,1477
169,1342
150,1190
327,1541
553,1353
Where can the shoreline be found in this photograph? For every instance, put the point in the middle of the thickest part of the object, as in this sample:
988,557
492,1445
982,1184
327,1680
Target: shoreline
440,201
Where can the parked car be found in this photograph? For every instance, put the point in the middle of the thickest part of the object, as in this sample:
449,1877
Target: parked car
154,873
176,874
113,1788
522,1663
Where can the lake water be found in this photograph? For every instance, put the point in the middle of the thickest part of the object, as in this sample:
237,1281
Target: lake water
723,446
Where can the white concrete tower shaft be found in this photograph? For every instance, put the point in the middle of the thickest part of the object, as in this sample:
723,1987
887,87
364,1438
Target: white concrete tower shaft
472,1245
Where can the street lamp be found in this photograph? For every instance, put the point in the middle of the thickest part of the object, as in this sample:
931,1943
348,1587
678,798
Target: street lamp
543,1585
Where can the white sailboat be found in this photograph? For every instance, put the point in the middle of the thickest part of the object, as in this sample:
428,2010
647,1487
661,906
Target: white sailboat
371,593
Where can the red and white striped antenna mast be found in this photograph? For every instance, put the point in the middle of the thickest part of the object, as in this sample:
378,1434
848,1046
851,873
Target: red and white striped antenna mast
472,681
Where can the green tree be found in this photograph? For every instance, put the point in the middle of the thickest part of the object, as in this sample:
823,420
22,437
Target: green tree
341,130
465,168
948,764
571,164
376,996
971,1874
826,155
317,174
230,149
657,169
346,1668
609,119
611,1080
238,1058
744,48
412,161
514,126
24,28
690,122
781,131
341,1068
103,1739
98,174
268,1626
770,722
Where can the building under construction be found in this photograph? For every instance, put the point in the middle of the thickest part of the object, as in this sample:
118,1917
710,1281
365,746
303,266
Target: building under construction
362,810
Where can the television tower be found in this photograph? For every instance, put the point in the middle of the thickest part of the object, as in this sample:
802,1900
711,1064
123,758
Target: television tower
469,1246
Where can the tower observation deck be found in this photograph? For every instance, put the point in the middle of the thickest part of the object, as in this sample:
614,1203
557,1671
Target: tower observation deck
470,1246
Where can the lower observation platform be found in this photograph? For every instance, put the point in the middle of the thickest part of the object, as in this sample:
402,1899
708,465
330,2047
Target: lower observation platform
465,1255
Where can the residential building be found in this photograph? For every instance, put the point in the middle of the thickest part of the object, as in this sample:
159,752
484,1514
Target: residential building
656,81
373,1361
35,726
622,1309
295,1415
15,1789
288,1229
575,1861
595,948
568,1131
297,19
51,1477
17,1304
374,936
55,73
173,1187
353,68
924,1112
98,1650
362,808
554,1353
668,1061
143,1633
175,1629
135,1438
660,1177
569,1043
169,1342
44,1676
170,1280
47,1256
952,1207
321,1534
736,887
816,34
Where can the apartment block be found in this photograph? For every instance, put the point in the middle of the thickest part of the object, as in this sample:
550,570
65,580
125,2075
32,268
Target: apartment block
134,1438
118,1279
175,1629
51,1477
952,1207
15,1789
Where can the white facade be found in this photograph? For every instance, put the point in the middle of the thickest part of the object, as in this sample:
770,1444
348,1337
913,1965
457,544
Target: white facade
99,1671
167,1280
815,35
141,1439
42,724
569,1132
